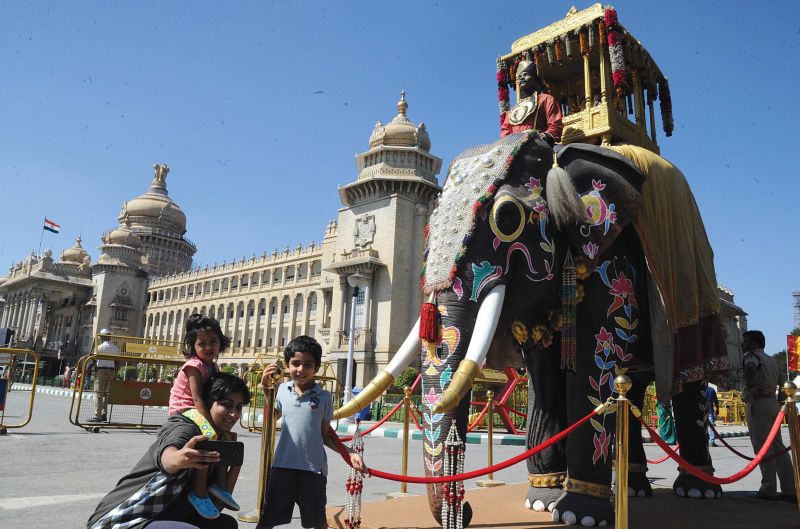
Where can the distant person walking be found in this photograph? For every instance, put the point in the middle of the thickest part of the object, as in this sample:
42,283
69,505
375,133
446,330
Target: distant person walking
763,376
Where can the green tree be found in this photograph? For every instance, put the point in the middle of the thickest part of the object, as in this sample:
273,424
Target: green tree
406,378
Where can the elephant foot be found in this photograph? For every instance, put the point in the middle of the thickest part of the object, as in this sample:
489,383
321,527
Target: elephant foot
542,499
544,490
639,485
689,486
584,503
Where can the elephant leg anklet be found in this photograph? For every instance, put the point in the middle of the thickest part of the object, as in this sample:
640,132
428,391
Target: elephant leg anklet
547,481
587,488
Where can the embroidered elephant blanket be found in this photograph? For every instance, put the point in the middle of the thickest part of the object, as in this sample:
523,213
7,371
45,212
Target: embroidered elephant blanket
681,262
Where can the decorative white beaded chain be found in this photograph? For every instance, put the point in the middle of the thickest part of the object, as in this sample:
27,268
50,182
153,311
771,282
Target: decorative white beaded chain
354,486
453,492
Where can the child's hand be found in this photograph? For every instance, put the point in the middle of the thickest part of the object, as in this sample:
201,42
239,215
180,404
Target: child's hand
270,373
358,463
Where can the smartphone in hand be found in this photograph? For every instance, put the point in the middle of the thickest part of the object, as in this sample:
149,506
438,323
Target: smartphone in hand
231,453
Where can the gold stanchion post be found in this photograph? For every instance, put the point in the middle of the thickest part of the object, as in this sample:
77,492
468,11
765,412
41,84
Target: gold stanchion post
406,434
789,389
490,482
267,447
622,384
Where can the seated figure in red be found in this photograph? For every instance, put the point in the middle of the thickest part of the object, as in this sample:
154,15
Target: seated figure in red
535,110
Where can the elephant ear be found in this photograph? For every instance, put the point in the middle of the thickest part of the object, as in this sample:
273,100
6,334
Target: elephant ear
610,191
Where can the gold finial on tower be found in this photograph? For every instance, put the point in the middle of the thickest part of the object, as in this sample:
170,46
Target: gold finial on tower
402,106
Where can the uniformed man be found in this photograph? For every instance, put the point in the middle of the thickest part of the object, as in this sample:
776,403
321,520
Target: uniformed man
104,374
764,377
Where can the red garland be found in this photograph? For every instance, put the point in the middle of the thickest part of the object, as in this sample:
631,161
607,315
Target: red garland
502,93
615,52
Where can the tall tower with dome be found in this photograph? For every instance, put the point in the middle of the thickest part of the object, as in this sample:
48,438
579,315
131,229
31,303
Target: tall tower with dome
160,225
380,244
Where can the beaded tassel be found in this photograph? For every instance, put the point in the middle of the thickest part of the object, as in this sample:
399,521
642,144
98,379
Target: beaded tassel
354,486
568,301
453,492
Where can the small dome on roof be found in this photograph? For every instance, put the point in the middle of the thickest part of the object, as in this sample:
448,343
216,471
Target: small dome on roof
122,236
401,131
75,254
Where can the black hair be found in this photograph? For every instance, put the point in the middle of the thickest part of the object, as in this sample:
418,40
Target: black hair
199,323
219,385
756,336
305,344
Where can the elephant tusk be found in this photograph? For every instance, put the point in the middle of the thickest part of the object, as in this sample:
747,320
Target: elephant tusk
373,390
459,386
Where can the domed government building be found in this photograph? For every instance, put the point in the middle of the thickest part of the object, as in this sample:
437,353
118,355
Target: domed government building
143,283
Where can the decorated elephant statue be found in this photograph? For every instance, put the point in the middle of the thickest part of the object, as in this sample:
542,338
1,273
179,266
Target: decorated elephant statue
549,261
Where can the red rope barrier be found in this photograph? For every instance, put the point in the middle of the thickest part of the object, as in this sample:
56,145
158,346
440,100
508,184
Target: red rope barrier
467,475
732,449
411,412
479,418
662,459
386,417
708,478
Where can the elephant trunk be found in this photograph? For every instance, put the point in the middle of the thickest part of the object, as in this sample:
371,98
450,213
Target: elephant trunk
449,370
482,335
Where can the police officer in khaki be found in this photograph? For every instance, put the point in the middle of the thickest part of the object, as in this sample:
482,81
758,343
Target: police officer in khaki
764,377
104,374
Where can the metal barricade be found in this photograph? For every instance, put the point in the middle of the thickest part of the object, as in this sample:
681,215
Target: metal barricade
16,363
125,385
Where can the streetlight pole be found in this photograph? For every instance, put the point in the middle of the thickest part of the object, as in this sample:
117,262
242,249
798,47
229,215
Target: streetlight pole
355,281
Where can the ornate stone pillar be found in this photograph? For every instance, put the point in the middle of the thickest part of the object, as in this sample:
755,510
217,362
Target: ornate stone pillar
587,81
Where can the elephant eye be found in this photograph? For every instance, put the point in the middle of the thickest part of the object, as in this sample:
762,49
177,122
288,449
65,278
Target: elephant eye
507,219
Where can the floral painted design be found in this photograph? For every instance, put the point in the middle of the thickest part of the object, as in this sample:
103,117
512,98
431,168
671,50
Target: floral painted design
611,348
598,212
590,249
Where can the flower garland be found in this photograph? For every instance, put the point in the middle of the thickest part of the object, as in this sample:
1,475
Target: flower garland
666,106
354,486
502,85
618,74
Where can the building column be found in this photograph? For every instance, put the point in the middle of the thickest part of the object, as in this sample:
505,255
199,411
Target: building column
368,303
292,326
236,334
246,330
587,80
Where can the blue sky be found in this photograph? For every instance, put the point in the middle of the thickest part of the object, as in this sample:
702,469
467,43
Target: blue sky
259,107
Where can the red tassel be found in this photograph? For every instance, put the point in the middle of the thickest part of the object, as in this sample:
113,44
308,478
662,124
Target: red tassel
429,322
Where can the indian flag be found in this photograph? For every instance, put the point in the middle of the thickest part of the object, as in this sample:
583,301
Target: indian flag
49,225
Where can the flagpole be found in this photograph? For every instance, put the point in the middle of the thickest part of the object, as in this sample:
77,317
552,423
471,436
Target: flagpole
41,236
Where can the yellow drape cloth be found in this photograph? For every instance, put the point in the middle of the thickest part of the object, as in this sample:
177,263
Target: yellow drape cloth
674,240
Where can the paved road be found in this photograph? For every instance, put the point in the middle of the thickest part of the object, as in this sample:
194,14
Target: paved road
53,474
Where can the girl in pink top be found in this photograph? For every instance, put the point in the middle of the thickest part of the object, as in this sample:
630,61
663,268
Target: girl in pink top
203,341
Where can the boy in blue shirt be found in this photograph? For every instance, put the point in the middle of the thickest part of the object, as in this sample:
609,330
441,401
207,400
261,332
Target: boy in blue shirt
300,465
